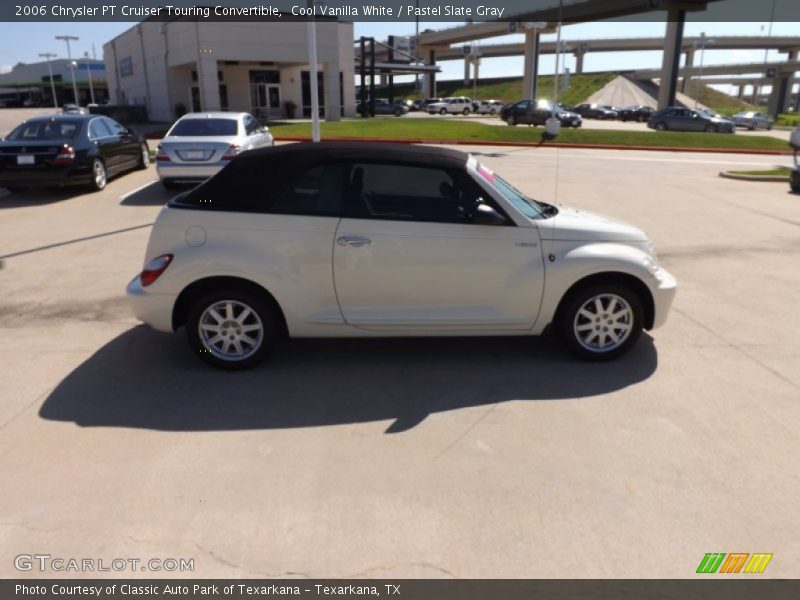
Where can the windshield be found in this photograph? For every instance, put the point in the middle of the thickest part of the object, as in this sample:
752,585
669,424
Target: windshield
528,206
205,127
54,129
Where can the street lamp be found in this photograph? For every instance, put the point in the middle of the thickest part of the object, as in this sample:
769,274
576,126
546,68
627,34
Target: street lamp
68,38
312,60
701,43
89,75
48,56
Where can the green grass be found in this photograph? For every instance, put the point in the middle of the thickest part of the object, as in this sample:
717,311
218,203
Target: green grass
779,172
788,119
719,101
450,129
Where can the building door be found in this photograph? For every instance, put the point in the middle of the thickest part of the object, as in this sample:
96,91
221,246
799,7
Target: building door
305,86
196,99
266,100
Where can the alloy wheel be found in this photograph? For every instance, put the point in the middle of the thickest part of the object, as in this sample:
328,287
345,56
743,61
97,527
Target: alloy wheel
603,323
230,330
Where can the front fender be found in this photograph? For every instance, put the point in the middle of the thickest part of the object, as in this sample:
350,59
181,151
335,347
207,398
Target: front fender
569,262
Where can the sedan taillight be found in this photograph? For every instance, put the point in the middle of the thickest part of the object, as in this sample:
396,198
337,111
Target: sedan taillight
65,156
154,269
231,152
162,155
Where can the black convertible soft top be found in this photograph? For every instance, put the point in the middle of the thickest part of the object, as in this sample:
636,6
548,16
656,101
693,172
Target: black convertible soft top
257,176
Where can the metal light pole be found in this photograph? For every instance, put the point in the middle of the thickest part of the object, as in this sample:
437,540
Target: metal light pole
312,59
68,38
89,75
701,43
48,56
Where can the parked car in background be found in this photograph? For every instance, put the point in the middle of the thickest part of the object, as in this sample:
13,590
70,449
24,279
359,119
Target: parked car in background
595,111
74,149
363,240
752,120
536,112
636,112
423,103
73,109
384,107
200,144
676,118
490,107
451,106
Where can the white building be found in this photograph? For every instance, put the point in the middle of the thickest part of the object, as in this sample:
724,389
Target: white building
31,81
257,67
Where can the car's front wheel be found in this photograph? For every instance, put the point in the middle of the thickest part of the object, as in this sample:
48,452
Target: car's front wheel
602,321
661,126
511,120
442,111
231,329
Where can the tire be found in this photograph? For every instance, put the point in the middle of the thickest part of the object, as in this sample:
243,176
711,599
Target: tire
511,120
99,177
238,348
492,112
751,126
465,112
144,157
578,327
661,126
442,111
712,129
169,184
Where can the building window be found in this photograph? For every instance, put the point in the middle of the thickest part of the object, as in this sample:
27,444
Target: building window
125,67
264,76
194,75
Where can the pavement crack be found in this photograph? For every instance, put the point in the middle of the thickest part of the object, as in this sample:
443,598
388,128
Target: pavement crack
467,430
364,574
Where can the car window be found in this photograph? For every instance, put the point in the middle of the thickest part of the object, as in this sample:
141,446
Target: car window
113,126
98,129
410,193
522,105
195,127
53,129
317,191
250,125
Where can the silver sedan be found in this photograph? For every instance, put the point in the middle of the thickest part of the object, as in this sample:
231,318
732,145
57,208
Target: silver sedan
198,145
752,120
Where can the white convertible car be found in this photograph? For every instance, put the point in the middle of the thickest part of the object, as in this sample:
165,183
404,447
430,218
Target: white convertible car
363,239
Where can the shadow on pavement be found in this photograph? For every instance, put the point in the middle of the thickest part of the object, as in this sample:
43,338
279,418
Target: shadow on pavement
154,194
145,379
39,196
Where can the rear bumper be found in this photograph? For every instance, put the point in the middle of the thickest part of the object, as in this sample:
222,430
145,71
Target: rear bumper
43,178
187,171
148,307
663,296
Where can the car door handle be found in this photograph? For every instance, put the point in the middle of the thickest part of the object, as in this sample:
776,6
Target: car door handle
353,241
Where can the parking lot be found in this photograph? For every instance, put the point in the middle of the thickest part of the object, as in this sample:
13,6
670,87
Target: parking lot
412,458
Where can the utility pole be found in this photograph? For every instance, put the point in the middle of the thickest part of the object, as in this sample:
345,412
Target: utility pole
68,38
312,60
701,43
48,56
89,74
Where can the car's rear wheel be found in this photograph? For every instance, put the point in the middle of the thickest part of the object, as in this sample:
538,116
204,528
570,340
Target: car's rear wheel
492,112
601,322
144,156
231,329
442,111
712,129
99,176
465,112
511,120
661,126
398,113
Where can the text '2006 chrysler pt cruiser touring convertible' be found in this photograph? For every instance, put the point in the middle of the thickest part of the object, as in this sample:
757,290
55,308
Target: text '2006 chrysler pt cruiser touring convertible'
364,239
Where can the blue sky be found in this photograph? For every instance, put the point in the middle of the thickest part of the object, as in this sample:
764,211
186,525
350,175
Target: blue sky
24,41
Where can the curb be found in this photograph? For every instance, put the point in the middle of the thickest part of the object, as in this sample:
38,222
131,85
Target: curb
775,178
545,145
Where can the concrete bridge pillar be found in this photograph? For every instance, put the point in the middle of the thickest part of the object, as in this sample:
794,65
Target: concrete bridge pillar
740,93
689,53
672,57
466,70
531,68
779,97
579,61
429,80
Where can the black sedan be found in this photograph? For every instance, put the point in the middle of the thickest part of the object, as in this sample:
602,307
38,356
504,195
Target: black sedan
384,107
60,150
595,111
637,112
536,112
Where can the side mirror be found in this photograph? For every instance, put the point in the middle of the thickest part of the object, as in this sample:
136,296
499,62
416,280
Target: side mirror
486,215
128,132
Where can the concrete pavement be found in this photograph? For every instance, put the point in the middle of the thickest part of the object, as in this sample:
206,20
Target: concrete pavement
412,458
